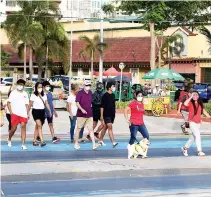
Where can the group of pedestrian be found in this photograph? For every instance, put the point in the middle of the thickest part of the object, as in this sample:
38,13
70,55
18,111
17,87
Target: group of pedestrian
18,109
95,113
88,109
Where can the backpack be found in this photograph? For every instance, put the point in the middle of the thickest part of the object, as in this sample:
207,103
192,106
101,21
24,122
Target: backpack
97,98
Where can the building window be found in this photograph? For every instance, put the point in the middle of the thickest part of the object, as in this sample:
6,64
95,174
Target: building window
74,72
11,3
85,71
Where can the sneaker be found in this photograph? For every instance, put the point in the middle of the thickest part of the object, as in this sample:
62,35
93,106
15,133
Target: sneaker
72,141
55,140
9,143
184,151
76,146
101,143
38,139
24,147
115,144
96,146
201,153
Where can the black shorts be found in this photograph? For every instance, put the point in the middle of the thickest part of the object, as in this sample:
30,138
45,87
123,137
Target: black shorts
9,120
50,119
108,120
96,114
39,114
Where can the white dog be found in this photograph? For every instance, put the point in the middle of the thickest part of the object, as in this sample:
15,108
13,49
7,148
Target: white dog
140,148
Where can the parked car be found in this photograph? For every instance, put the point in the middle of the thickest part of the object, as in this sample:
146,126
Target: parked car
7,80
204,90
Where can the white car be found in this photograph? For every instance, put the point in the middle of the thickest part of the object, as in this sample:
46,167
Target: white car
7,80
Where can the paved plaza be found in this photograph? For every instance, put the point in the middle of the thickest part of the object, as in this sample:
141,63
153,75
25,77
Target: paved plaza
60,170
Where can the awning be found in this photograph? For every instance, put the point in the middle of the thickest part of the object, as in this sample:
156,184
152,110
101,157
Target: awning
184,67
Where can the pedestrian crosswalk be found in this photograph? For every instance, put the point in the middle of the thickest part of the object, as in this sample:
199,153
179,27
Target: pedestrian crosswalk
65,145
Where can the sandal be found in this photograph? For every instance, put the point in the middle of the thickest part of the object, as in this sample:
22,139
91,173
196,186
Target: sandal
35,144
42,144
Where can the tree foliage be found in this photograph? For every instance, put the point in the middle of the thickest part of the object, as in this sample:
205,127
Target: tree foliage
108,9
207,34
92,48
37,26
5,57
167,13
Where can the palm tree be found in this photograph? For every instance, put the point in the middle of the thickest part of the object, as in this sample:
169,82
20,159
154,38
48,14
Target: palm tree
56,46
24,27
91,48
172,45
207,34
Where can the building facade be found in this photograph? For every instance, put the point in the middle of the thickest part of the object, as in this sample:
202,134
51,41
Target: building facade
195,60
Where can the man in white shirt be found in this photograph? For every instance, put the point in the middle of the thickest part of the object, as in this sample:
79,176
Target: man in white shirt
17,105
72,109
157,91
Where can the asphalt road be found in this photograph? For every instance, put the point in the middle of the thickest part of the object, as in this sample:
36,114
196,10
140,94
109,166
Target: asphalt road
128,183
138,186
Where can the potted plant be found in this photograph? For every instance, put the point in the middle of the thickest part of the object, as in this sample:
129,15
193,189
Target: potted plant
29,86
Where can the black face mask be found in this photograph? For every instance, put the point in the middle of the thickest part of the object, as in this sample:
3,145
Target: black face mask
99,89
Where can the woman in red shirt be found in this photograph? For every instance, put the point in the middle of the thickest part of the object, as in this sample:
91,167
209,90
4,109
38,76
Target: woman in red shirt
196,109
136,122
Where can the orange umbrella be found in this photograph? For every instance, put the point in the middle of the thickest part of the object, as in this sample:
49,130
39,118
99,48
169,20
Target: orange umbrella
111,72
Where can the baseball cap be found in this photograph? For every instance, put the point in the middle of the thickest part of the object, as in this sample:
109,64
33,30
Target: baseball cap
87,83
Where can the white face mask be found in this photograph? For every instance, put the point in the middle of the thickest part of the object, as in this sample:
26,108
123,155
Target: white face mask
139,99
39,90
87,88
19,87
113,89
47,88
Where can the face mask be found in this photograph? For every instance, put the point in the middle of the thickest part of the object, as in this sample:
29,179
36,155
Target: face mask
47,88
195,98
87,88
39,90
139,99
113,89
19,87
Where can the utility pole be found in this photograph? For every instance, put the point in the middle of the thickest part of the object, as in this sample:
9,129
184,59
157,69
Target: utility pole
152,52
101,40
71,45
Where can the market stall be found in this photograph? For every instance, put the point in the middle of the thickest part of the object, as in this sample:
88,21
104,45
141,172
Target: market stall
157,105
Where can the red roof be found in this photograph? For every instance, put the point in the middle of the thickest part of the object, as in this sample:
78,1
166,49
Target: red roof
15,58
119,50
186,30
127,50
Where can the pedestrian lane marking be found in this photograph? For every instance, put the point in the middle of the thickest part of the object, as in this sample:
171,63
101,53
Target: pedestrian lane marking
65,145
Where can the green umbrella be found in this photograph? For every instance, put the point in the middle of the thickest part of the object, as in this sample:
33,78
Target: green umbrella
163,73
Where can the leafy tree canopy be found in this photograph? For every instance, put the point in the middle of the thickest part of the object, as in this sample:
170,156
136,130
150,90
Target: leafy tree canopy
5,56
167,13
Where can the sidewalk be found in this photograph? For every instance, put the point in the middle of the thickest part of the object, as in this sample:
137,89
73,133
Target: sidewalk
155,125
177,164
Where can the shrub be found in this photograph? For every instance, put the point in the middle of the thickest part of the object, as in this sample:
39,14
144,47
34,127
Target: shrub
121,104
208,107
